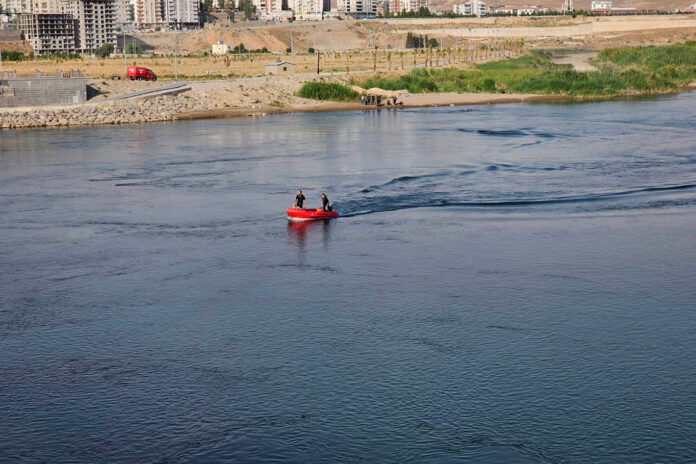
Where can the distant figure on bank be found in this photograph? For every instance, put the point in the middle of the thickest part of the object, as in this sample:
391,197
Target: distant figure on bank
325,203
394,100
299,200
379,100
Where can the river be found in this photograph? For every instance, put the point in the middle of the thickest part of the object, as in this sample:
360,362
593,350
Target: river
509,283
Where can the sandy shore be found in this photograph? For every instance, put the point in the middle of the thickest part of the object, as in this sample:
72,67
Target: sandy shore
409,101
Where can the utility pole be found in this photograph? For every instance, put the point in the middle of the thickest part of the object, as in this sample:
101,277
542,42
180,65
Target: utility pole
125,62
176,56
292,44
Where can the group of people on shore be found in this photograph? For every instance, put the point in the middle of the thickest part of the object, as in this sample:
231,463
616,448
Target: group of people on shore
300,201
377,100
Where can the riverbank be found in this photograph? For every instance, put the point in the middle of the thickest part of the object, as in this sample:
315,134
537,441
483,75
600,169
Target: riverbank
175,108
624,72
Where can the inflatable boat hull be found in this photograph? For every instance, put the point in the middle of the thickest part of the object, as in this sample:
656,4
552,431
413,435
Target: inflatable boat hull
297,214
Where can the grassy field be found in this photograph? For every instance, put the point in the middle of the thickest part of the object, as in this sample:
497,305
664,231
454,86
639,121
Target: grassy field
622,71
244,65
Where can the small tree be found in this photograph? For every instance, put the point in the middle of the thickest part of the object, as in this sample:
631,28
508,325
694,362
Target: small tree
133,49
105,50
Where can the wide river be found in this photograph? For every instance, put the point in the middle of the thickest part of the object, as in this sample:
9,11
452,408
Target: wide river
510,284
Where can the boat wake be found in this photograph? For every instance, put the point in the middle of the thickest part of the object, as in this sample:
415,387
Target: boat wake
418,199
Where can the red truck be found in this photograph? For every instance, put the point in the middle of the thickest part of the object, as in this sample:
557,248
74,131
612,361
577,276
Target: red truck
136,72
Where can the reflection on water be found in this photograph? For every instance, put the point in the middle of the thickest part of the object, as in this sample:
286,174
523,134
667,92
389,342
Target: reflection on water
305,233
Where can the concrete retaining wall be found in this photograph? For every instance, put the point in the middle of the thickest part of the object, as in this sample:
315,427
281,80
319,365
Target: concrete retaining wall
10,35
42,92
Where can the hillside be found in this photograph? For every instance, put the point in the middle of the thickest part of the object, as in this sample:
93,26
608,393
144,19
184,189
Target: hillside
668,5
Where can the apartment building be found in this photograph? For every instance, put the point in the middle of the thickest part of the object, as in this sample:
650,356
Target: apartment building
16,6
48,32
471,8
69,25
357,7
181,12
148,14
270,8
96,23
125,13
307,9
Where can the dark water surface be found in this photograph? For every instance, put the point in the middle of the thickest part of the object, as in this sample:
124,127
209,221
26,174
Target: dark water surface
512,283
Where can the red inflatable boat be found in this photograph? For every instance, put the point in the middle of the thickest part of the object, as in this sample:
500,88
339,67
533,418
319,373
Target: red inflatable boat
298,214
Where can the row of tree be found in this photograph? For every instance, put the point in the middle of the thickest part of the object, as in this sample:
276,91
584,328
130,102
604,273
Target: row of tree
419,41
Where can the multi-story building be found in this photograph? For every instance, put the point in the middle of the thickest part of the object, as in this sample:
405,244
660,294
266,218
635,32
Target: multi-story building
148,13
471,8
357,7
181,12
96,23
307,9
50,6
16,6
398,6
270,8
601,5
70,25
48,32
125,13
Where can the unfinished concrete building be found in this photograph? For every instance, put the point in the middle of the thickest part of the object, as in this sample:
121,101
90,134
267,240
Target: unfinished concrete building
49,32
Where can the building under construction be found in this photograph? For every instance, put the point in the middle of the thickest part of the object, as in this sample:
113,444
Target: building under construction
48,32
69,25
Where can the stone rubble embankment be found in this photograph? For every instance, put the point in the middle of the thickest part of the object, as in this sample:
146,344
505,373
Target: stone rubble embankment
210,96
158,109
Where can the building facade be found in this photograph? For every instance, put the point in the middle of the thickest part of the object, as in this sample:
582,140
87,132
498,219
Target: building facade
270,8
307,9
96,23
471,8
48,32
181,12
125,13
148,14
601,5
357,7
16,6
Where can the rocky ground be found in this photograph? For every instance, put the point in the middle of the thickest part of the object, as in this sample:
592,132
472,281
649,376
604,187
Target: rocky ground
206,96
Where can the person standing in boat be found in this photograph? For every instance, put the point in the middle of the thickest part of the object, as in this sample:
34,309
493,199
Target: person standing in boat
325,205
299,200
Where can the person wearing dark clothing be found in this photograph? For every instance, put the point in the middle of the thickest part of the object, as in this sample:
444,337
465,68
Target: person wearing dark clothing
379,100
325,203
299,200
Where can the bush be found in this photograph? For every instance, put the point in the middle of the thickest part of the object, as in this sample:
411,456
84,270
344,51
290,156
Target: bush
13,56
327,91
310,50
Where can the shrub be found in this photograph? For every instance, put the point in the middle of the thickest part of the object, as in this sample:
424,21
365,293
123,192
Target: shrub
327,91
13,56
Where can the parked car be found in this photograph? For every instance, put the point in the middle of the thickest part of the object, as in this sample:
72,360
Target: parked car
136,72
